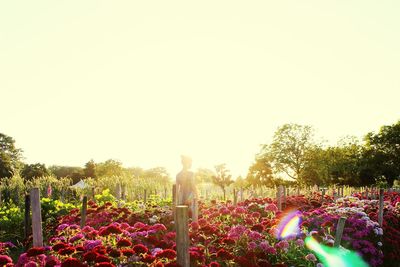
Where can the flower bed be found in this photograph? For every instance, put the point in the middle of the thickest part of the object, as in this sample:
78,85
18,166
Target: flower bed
225,235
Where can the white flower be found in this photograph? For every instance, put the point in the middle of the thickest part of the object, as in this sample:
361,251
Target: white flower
380,244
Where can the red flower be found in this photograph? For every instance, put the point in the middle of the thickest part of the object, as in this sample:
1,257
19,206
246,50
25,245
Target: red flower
90,256
71,262
124,243
4,259
223,254
166,253
244,262
66,251
102,258
59,246
104,264
214,264
258,228
171,264
35,251
139,248
148,258
128,252
115,253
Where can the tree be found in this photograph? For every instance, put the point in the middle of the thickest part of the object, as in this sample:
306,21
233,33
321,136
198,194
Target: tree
290,148
223,178
109,168
203,175
260,172
75,173
30,171
90,169
382,153
10,156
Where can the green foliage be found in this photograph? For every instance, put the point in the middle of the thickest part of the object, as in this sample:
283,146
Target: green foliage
260,172
104,197
290,148
223,178
75,173
10,157
30,171
11,223
90,169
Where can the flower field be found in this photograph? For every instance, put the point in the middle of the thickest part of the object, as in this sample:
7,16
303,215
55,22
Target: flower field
247,234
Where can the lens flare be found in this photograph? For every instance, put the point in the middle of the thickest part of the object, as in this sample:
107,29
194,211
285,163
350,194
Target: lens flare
334,257
289,225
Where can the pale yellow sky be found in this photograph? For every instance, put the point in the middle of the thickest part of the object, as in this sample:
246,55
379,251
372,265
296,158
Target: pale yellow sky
143,82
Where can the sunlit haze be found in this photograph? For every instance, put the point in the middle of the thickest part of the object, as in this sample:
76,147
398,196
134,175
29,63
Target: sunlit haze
146,81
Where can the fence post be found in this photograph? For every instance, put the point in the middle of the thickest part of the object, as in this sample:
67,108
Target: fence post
145,196
278,197
83,212
234,197
380,215
339,231
36,218
182,236
195,211
284,196
323,195
27,217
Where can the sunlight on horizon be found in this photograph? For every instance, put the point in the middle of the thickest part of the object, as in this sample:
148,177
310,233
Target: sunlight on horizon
146,82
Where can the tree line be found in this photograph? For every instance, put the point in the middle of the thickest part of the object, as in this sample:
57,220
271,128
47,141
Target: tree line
294,156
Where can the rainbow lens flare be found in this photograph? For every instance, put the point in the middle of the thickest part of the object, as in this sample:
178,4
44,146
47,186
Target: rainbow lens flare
289,225
334,257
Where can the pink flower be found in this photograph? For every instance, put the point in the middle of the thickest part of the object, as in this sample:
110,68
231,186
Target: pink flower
311,257
271,208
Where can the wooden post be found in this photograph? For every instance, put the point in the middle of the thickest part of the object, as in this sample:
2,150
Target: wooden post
339,231
278,197
27,217
380,214
323,195
234,197
195,211
174,203
182,236
145,196
93,193
83,212
284,196
36,218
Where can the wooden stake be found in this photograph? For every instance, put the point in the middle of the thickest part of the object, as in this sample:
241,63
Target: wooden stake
339,231
278,197
27,224
182,236
83,212
145,196
36,218
380,214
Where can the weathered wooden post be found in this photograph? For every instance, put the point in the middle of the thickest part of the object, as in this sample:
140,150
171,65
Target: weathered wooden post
27,225
323,195
284,196
182,236
380,214
93,193
174,202
83,212
118,193
339,231
36,218
145,196
195,211
234,197
279,197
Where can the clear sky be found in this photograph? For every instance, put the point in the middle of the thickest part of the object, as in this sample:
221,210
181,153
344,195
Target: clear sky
145,81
